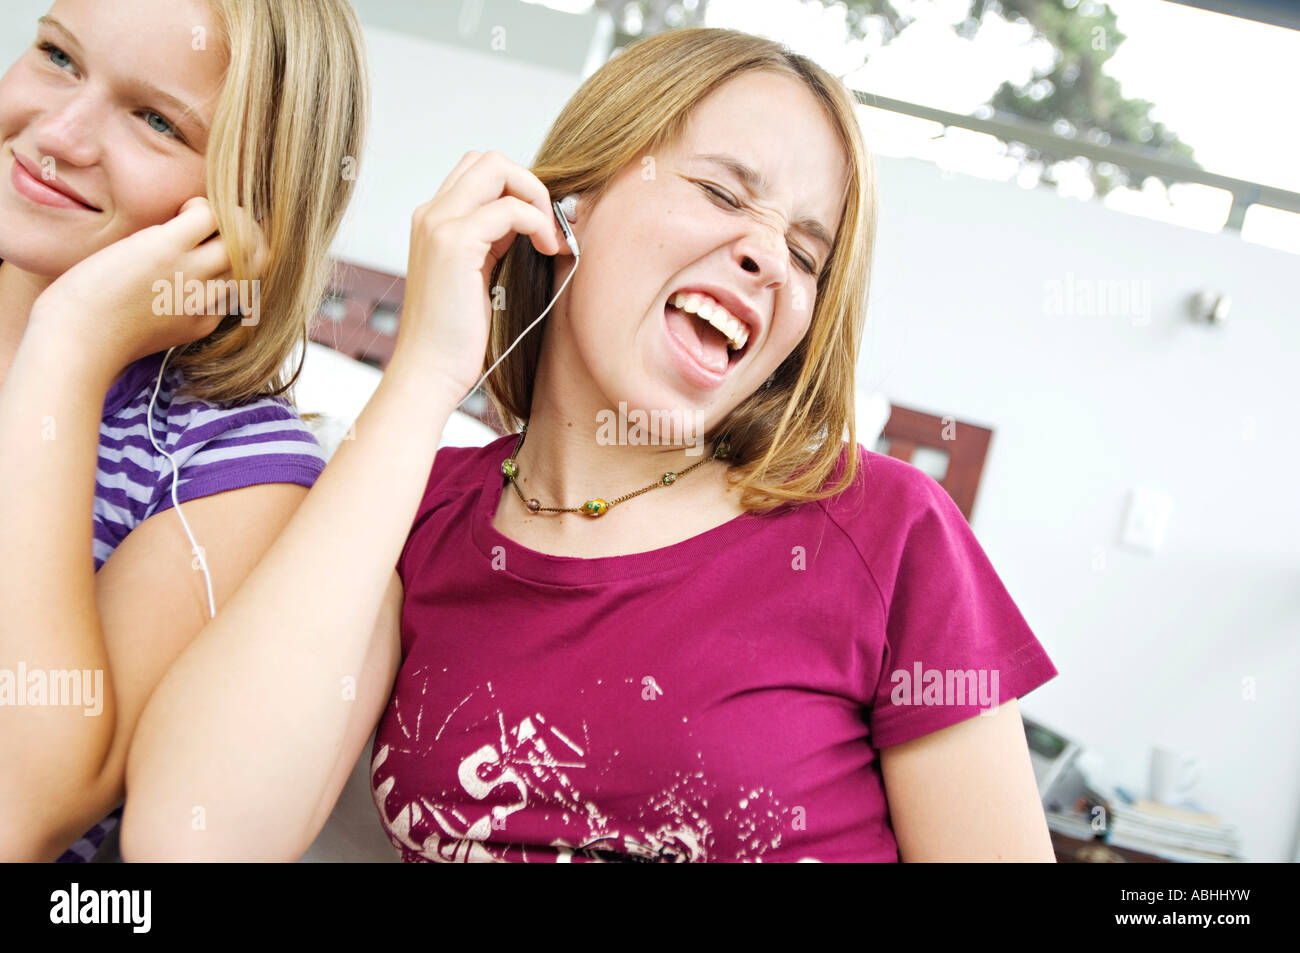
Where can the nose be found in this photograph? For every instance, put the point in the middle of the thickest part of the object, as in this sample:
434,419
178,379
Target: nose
762,253
68,131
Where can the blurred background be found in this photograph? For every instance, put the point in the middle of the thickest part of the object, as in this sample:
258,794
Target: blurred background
1078,323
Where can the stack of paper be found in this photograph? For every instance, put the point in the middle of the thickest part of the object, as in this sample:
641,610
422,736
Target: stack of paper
1172,833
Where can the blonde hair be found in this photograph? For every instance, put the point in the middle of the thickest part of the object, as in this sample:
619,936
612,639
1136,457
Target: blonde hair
784,439
285,142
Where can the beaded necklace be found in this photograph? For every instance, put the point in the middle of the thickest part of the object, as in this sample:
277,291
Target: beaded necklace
597,506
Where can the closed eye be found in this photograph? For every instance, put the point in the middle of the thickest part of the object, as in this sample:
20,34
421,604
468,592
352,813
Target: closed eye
722,195
719,193
806,263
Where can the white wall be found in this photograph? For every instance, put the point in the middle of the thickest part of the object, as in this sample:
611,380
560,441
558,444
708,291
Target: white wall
432,103
1084,406
18,27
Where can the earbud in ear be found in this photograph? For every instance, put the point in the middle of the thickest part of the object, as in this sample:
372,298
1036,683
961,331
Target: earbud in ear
569,206
565,210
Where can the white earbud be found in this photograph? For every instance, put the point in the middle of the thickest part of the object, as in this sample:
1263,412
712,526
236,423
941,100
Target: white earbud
565,210
569,206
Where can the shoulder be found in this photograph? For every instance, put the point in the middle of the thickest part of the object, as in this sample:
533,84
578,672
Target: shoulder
886,496
246,429
894,514
453,463
145,406
213,447
456,474
264,426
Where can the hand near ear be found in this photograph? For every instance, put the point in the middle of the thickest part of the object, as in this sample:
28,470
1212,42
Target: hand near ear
166,285
248,242
457,238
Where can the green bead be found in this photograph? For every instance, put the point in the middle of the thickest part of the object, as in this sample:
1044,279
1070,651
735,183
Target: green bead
595,507
670,478
509,468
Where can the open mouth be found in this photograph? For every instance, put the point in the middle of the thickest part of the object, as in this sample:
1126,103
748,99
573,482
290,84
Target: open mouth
712,338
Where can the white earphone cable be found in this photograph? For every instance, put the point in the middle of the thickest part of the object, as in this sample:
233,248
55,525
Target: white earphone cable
576,260
176,503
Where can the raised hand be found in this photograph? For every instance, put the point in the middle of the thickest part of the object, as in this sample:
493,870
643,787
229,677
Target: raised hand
456,240
165,285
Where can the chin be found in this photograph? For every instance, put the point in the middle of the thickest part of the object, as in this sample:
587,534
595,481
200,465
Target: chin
32,257
38,258
645,414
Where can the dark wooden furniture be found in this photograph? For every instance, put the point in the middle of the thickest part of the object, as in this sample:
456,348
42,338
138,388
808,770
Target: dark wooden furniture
1071,850
360,313
359,318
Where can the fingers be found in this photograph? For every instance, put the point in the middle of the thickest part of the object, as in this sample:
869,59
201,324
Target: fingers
430,207
223,298
453,177
211,260
481,178
493,176
194,224
207,261
211,263
195,228
497,222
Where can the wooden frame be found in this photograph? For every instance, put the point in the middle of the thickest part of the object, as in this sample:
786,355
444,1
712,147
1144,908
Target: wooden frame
359,318
359,314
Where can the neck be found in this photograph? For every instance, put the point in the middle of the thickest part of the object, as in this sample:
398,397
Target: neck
573,452
18,292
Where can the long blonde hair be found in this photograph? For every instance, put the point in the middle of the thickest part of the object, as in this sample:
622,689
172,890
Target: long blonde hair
285,143
785,439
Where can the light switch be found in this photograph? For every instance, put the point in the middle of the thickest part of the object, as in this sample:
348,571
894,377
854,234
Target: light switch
1147,520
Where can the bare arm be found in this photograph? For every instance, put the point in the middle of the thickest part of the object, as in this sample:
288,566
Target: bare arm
967,793
249,737
247,740
50,410
151,603
65,769
57,763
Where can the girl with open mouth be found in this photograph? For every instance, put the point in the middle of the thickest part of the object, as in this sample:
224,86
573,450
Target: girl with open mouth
571,648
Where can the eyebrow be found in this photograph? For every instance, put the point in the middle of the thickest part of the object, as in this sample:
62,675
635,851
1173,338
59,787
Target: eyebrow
49,21
183,109
757,184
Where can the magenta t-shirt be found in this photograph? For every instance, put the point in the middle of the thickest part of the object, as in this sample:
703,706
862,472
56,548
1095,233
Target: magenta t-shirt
721,699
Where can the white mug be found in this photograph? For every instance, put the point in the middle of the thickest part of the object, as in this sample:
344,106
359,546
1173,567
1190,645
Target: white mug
1173,774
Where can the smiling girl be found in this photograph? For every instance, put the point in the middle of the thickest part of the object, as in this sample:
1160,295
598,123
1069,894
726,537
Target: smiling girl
611,649
144,142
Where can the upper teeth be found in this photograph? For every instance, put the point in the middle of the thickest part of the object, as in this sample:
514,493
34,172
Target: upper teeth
718,316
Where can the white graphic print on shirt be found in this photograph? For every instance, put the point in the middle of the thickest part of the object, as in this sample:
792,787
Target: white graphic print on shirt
542,766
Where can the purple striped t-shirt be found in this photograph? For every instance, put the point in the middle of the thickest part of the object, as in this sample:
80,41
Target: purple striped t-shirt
216,448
